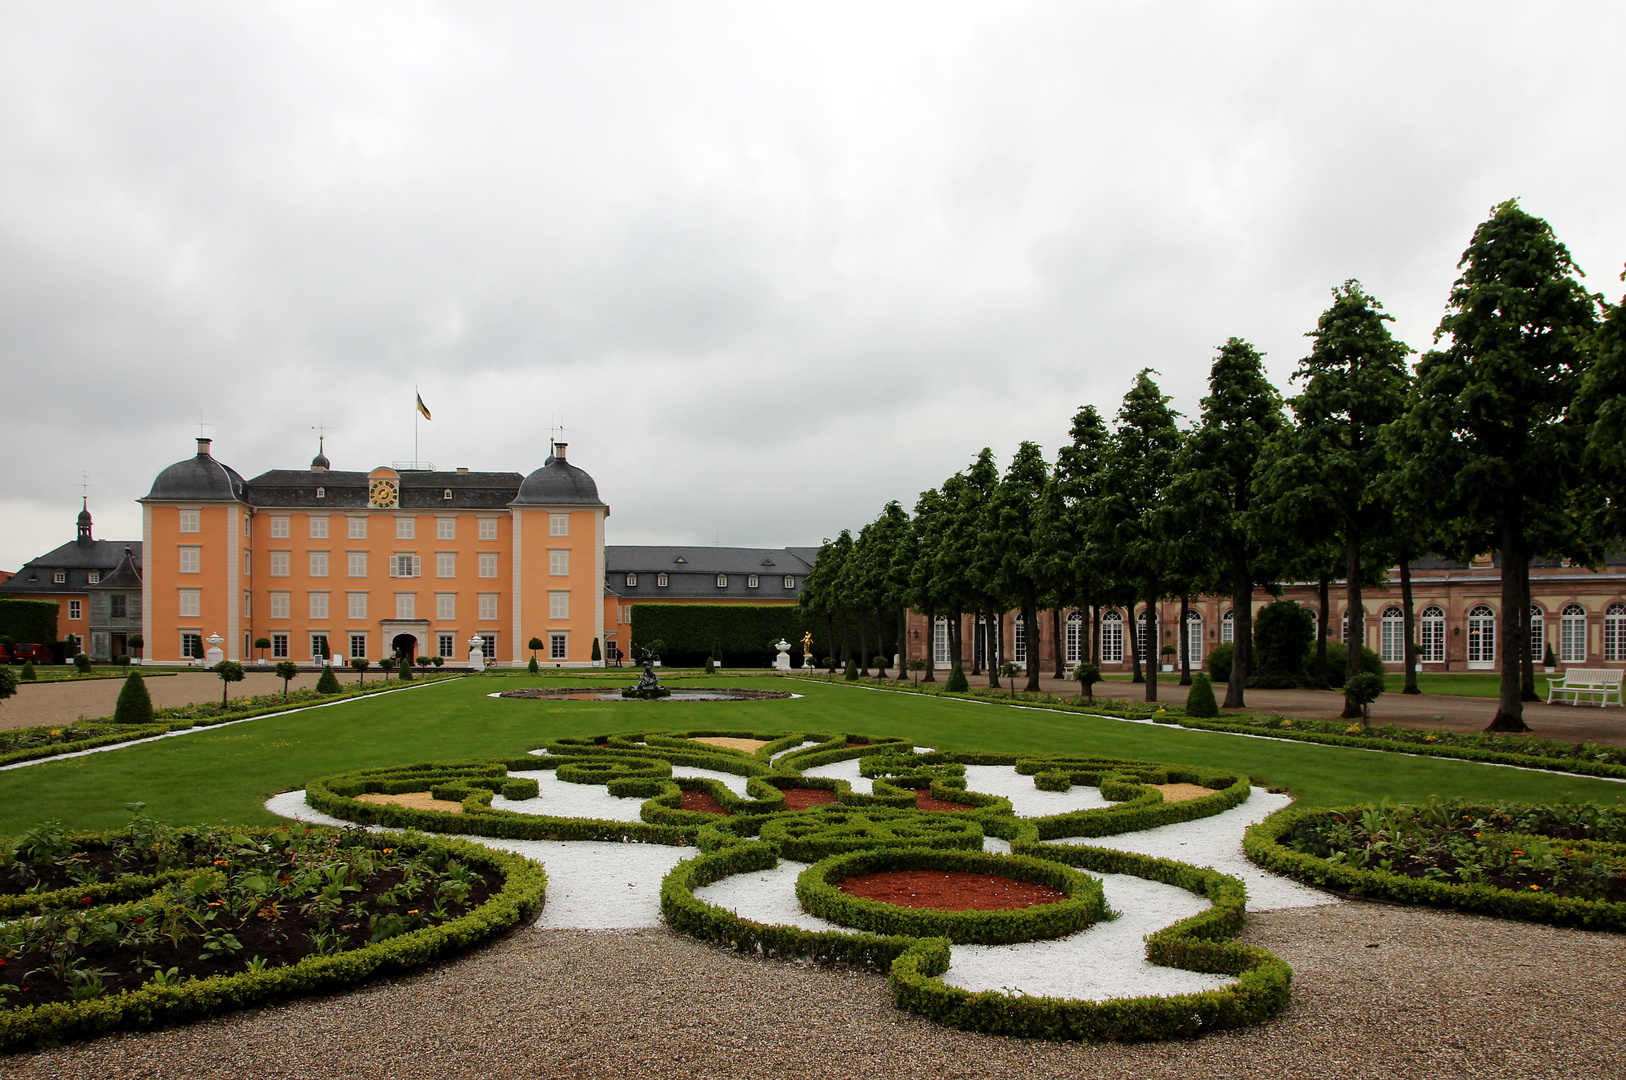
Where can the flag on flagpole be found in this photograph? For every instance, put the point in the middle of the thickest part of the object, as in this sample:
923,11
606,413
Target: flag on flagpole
424,408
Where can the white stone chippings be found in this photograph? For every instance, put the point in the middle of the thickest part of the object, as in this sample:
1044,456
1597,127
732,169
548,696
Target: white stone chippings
594,885
1217,842
1027,800
559,798
844,770
734,783
765,896
792,750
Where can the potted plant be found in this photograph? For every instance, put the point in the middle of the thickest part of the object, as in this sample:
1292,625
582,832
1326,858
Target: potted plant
134,643
1549,662
1168,657
262,644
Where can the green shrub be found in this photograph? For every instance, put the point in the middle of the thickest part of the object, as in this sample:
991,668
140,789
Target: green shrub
1087,675
880,663
1052,781
1219,662
404,670
851,674
329,682
1200,700
287,671
1283,632
8,683
597,653
28,620
229,671
134,704
737,634
28,673
533,667
1548,658
957,683
81,663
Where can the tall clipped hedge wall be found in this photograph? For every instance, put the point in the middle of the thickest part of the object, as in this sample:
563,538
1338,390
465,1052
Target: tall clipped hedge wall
742,631
28,620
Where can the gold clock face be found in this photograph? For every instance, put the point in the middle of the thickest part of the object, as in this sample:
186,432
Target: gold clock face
383,493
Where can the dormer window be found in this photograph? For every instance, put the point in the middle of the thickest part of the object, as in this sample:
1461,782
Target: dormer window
321,493
790,582
680,559
447,494
722,581
60,577
632,581
660,581
751,582
767,562
95,576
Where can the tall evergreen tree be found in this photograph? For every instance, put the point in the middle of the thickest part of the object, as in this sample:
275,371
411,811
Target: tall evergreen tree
1219,486
1015,513
927,591
1501,444
1078,478
1132,523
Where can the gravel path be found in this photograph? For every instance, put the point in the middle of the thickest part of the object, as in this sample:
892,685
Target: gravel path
1441,995
65,702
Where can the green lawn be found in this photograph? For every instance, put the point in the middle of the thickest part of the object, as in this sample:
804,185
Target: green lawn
225,774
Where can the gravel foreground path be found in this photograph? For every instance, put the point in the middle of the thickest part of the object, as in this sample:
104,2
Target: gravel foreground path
1379,992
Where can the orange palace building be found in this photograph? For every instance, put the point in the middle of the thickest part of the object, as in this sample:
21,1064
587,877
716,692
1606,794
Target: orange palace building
371,564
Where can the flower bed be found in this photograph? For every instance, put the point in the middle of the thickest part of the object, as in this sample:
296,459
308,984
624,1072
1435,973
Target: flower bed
151,925
1557,864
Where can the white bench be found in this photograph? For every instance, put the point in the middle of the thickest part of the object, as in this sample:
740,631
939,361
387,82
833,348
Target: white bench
1597,683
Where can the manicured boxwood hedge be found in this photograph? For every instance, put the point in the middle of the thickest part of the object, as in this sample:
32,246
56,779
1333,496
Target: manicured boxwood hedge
817,889
519,899
32,621
1262,845
743,632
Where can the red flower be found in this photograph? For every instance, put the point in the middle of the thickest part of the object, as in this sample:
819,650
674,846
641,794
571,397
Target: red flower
86,900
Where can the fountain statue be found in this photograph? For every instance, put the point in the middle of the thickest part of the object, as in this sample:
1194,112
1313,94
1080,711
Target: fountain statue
649,684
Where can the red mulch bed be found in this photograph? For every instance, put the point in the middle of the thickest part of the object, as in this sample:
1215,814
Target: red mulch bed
925,801
800,798
948,890
704,802
856,745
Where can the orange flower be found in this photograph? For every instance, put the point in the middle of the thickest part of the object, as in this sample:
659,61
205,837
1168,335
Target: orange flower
1517,852
1536,887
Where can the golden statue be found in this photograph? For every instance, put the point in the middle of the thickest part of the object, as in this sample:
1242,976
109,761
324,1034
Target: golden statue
807,644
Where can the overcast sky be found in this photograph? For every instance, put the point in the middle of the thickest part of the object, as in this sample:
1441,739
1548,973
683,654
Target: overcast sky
772,265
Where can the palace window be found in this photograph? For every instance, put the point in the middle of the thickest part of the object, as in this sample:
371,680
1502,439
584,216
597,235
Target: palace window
321,493
1019,640
446,564
1112,637
446,494
73,609
446,528
447,643
357,563
279,564
318,564
1572,635
1538,634
940,641
1145,629
357,608
1228,628
488,646
279,605
559,562
60,577
488,607
790,582
358,646
1075,638
279,528
406,528
248,562
445,608
558,605
191,558
247,531
632,581
558,524
1431,628
318,606
192,646
488,564
406,605
1393,643
1358,633
279,646
358,528
189,521
1614,632
722,581
94,577
190,604
119,606
557,646
1482,635
318,528
1194,639
488,528
405,566
319,647
751,581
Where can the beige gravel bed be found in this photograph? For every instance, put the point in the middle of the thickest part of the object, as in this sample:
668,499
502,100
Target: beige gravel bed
65,702
1440,995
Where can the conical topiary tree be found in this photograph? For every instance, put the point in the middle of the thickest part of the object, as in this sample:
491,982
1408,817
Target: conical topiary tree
135,704
329,682
1200,698
957,683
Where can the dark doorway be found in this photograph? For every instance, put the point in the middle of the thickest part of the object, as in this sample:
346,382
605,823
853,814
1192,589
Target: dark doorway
406,647
120,645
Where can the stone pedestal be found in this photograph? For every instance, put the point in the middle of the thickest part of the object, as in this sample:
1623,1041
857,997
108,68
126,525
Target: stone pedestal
215,654
782,661
477,655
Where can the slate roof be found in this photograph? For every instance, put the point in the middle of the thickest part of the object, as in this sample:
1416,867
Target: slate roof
415,490
200,478
127,577
695,577
77,559
558,483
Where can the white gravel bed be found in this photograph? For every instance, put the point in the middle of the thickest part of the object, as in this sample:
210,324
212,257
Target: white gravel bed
558,798
1027,800
792,750
1217,842
844,770
766,896
1106,961
731,781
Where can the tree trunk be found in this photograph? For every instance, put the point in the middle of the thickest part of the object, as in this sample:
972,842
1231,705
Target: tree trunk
996,627
1355,615
979,641
903,644
1030,640
1095,635
863,644
1324,594
1132,633
880,643
830,628
1185,642
1411,624
1527,665
1056,641
1510,708
1241,634
1152,643
956,635
931,646
846,640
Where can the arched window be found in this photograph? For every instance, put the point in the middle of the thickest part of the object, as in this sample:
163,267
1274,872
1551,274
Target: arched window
1227,627
1356,634
1614,632
1075,638
940,641
1112,637
1394,636
1145,629
1572,635
1019,640
1538,634
1482,636
1194,639
1432,635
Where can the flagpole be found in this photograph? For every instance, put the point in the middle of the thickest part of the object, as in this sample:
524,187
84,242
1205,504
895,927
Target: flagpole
416,397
